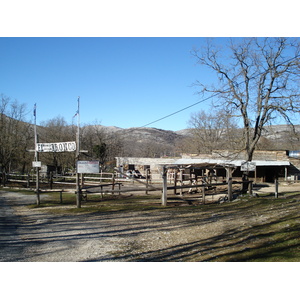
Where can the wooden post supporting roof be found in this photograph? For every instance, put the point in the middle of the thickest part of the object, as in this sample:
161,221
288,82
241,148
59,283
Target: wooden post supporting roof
229,181
165,185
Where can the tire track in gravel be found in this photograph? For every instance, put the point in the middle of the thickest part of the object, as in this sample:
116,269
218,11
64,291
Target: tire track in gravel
11,245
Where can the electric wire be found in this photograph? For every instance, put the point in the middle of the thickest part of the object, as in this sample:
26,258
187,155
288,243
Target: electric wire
213,95
178,111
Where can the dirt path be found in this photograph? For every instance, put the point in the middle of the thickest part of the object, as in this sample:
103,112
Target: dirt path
33,235
11,246
202,234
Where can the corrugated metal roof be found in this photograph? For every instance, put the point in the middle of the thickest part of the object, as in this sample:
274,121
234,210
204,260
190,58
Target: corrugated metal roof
220,162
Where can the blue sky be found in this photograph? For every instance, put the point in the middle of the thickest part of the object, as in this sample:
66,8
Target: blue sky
124,82
135,65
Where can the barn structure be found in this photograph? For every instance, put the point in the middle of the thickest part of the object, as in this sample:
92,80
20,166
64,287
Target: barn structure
268,165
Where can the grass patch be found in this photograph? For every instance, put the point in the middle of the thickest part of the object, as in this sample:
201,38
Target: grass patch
125,202
23,191
95,204
282,243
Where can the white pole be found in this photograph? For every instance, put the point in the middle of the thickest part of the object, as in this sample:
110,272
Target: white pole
35,134
78,192
36,159
78,127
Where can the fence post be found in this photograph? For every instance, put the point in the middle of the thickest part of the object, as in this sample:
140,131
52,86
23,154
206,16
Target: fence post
51,180
175,181
181,180
147,180
165,185
78,190
38,200
82,180
113,183
250,188
229,181
276,188
4,178
28,180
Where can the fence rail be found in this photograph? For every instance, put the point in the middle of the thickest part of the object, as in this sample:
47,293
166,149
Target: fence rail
95,185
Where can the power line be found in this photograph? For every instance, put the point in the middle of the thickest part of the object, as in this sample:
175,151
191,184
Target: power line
178,111
214,95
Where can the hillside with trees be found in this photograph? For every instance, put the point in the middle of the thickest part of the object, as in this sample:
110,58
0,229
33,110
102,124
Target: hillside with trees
207,132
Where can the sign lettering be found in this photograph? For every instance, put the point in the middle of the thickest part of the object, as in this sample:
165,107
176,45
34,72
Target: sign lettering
56,147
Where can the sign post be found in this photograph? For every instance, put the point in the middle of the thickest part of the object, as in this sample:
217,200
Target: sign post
78,190
36,158
57,147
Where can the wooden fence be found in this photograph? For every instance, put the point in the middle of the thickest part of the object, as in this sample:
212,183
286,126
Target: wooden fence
107,183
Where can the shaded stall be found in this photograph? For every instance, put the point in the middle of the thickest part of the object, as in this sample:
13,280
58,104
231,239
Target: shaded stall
204,173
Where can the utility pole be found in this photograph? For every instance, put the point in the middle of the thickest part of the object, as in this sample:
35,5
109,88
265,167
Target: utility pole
78,190
36,158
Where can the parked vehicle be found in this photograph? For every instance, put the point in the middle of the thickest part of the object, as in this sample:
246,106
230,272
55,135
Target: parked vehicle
137,174
129,174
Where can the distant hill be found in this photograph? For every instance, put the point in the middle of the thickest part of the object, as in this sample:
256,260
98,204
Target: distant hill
277,132
138,139
140,134
145,141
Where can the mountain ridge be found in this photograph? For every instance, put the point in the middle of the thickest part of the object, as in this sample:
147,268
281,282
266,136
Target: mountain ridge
270,131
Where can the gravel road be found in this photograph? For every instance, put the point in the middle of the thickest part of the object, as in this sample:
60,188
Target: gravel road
29,235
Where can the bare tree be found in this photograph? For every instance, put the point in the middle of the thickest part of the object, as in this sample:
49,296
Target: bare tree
213,130
15,135
57,130
101,144
258,81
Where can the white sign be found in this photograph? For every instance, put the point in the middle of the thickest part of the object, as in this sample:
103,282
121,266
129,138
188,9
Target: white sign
36,164
56,147
88,166
248,166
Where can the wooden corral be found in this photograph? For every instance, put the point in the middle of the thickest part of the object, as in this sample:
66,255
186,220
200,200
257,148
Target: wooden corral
270,165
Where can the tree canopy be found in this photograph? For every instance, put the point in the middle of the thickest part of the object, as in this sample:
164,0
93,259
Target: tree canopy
257,82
